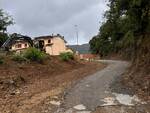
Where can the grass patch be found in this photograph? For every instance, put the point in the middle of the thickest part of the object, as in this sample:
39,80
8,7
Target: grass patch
19,58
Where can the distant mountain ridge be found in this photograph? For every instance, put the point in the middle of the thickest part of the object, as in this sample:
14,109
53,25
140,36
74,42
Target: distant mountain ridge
82,49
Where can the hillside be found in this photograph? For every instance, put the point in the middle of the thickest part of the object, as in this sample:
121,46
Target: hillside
138,77
84,48
24,87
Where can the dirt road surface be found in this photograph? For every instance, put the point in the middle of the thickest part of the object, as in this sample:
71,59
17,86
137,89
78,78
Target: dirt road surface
94,91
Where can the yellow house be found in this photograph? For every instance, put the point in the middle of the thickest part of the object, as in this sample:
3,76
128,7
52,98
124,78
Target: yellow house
17,43
52,45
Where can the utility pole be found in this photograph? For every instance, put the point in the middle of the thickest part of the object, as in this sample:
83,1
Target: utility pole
76,28
77,36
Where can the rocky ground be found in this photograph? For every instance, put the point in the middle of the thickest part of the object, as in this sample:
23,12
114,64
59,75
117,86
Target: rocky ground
123,109
38,88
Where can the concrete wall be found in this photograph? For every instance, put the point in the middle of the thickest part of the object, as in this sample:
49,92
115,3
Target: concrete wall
58,46
49,50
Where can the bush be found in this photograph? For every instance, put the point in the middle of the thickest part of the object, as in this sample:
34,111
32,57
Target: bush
1,57
66,56
1,60
34,54
19,58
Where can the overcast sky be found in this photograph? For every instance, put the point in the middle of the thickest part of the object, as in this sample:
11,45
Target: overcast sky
44,17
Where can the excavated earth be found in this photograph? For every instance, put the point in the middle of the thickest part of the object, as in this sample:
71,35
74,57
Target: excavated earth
35,88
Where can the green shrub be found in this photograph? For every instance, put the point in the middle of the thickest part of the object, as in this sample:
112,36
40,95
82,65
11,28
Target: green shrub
1,60
1,57
34,54
19,58
66,56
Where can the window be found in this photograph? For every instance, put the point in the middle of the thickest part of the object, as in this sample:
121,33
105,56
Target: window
49,41
18,46
25,45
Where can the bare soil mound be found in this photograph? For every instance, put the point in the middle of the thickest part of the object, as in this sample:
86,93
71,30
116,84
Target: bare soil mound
24,86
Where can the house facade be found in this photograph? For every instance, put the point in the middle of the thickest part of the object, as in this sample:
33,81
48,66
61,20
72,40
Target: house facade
52,45
17,43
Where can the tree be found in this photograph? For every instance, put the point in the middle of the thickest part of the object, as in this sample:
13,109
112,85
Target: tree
5,21
127,23
3,38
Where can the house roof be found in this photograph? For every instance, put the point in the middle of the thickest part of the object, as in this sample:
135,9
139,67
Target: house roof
49,37
15,38
42,37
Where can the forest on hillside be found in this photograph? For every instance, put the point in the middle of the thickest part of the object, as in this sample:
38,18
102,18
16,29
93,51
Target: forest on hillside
126,30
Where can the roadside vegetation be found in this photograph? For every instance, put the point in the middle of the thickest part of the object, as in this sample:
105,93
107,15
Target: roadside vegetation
66,56
1,60
19,58
126,27
34,54
31,54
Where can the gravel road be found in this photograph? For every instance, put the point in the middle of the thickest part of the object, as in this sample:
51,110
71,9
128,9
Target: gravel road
91,91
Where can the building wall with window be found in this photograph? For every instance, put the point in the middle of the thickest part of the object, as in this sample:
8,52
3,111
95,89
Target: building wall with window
19,46
53,45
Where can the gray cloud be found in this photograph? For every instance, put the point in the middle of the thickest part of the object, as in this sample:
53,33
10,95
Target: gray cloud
44,17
